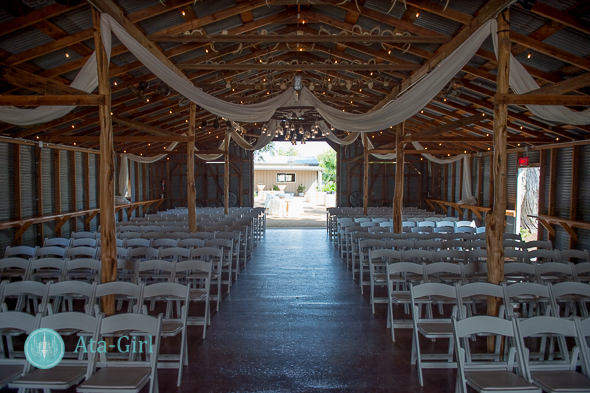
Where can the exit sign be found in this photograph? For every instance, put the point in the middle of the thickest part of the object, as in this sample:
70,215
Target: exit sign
523,161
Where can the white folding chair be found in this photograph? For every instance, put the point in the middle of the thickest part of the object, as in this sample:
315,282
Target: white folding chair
197,274
551,374
480,373
430,327
172,325
127,376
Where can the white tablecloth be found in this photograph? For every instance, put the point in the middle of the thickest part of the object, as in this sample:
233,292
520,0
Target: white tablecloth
284,207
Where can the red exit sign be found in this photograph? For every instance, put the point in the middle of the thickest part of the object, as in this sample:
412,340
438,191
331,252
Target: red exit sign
523,161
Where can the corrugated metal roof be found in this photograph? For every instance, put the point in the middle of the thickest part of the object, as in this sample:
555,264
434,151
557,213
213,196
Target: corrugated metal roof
224,24
332,12
540,61
161,22
384,6
5,16
74,21
262,12
571,41
525,22
469,7
56,59
562,5
130,6
204,8
23,40
437,23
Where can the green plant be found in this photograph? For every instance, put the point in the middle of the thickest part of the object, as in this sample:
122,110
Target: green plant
329,187
275,187
300,189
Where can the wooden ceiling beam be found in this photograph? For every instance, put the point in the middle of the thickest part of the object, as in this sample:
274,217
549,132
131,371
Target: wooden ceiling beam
565,86
35,16
49,100
305,38
464,121
300,67
143,127
541,99
50,47
33,82
565,18
488,11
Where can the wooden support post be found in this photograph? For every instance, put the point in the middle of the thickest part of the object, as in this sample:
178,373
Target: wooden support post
574,191
226,176
495,220
107,171
191,191
57,185
18,207
86,169
144,184
365,174
40,229
398,196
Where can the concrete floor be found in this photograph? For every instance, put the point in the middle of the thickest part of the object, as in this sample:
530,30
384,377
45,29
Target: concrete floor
296,322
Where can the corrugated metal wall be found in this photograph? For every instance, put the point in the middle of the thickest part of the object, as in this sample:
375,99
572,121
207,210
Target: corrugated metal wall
561,188
29,192
209,179
583,211
563,181
7,187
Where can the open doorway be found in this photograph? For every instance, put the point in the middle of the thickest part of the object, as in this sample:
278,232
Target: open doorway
295,183
527,202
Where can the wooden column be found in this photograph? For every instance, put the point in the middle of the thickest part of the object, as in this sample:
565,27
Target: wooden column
542,171
495,220
18,208
107,171
39,159
57,185
398,196
191,191
226,176
366,174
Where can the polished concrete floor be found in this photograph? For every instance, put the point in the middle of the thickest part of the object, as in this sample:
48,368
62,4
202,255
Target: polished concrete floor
296,322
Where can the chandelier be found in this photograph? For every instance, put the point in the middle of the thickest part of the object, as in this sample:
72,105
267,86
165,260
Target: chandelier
301,123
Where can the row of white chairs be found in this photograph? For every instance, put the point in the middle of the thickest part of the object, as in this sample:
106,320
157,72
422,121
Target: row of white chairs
548,300
97,373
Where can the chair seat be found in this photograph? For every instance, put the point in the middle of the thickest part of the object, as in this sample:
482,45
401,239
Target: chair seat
401,297
171,327
8,373
500,381
197,294
380,277
55,378
561,381
116,379
436,329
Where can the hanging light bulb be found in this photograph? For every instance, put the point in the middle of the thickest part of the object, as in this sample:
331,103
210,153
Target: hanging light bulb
216,123
301,130
311,86
348,85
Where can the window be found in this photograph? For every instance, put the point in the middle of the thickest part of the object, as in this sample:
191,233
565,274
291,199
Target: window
285,178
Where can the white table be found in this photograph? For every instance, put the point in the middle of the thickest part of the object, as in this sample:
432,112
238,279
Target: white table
283,207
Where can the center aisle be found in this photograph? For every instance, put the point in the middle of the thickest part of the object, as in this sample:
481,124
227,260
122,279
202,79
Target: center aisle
296,322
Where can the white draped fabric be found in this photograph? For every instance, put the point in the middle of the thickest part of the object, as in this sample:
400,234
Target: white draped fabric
123,176
522,82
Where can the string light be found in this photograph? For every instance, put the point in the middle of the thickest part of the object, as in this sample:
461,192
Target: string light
389,52
183,13
115,83
417,14
529,55
67,54
74,143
